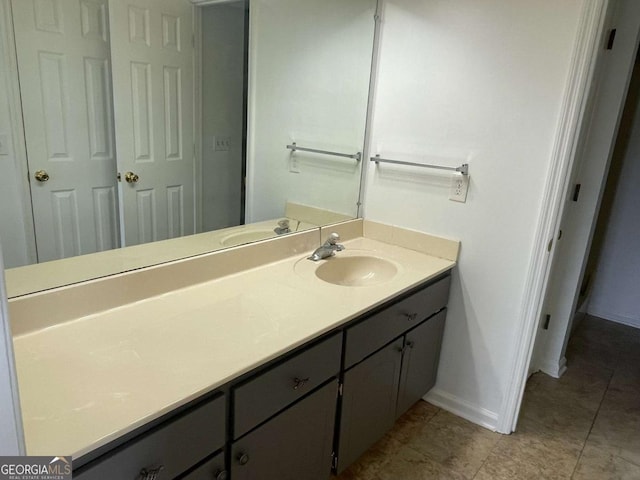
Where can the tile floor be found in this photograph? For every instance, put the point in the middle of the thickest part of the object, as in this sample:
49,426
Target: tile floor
583,426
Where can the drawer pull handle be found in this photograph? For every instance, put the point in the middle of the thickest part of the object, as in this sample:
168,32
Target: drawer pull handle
221,475
151,473
299,382
243,458
411,316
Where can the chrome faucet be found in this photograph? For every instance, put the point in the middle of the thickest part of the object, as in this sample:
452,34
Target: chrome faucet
328,248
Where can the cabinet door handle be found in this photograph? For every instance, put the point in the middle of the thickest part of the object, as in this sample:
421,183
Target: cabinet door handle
411,316
410,344
243,458
299,382
150,473
221,475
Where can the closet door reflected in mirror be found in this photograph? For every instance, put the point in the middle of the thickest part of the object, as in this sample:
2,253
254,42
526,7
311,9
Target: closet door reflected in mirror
65,80
152,55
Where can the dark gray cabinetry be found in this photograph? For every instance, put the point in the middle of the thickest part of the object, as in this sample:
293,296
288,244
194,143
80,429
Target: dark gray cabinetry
381,384
296,444
420,361
169,450
370,391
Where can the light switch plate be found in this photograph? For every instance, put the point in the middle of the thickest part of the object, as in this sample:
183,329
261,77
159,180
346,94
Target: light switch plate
222,144
4,144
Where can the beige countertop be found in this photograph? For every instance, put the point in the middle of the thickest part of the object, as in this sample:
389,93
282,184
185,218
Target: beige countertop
87,381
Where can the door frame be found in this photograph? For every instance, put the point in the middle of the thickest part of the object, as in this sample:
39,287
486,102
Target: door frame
592,169
12,440
9,58
581,91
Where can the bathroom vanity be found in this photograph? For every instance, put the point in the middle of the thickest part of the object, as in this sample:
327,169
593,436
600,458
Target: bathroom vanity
265,372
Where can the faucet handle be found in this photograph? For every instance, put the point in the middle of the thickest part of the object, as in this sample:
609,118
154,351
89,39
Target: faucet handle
333,238
284,223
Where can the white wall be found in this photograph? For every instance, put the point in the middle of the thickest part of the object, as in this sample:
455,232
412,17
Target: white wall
222,109
11,435
13,228
309,79
481,82
615,293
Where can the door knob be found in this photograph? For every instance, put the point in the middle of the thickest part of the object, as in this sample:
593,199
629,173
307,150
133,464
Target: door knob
131,177
41,176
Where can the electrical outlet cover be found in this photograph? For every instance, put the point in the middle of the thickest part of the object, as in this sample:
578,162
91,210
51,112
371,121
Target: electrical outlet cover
294,164
459,188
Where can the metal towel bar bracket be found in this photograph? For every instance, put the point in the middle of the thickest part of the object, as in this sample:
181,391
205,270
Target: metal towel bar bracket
356,156
463,169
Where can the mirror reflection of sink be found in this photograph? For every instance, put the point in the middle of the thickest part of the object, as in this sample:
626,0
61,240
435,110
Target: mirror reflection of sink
247,236
357,270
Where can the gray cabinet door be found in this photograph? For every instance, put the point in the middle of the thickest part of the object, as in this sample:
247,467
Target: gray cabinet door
370,392
420,361
294,445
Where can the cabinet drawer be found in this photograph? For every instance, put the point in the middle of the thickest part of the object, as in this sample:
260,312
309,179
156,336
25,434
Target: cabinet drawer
271,391
175,445
213,469
376,331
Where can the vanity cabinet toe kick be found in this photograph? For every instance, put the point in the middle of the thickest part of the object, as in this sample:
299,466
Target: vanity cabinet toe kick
309,413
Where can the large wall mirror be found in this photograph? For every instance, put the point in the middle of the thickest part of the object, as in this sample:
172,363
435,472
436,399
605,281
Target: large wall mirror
173,128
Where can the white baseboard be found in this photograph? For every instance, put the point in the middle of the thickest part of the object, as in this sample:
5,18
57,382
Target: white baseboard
554,369
462,408
613,317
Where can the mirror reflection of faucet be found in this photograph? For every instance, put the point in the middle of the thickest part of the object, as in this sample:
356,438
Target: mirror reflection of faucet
328,248
283,227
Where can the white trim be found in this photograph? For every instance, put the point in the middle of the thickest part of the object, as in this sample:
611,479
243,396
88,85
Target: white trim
556,370
11,432
581,74
204,3
373,78
462,408
198,186
8,57
614,317
250,176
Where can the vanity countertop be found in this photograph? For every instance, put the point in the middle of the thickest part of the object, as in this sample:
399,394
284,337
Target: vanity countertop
87,381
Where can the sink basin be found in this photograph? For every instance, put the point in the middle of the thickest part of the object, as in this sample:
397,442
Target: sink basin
248,236
356,270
